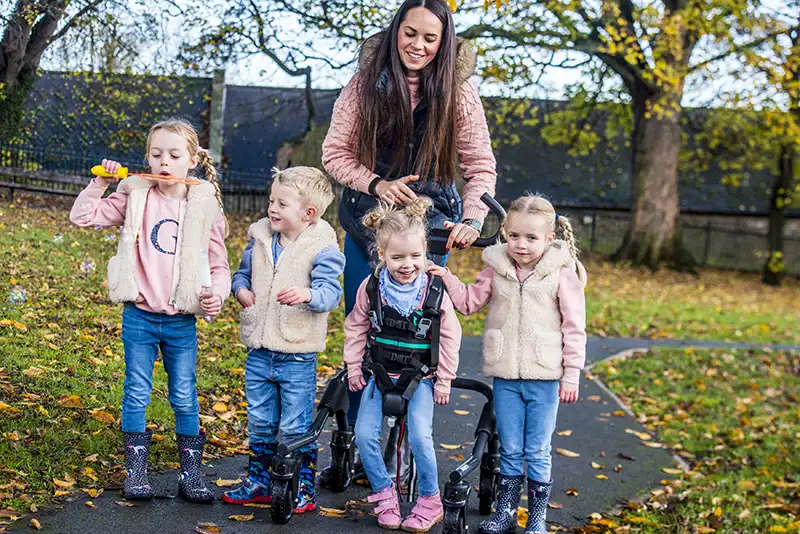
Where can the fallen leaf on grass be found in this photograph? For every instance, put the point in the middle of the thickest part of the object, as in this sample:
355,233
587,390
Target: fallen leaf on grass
10,410
449,447
33,372
35,524
671,471
93,493
33,508
221,483
207,528
71,401
63,483
567,453
461,412
331,512
220,407
565,433
125,504
745,514
103,417
241,517
652,444
60,493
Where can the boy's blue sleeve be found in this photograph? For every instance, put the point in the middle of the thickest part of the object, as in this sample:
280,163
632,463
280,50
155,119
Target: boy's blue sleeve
241,278
325,288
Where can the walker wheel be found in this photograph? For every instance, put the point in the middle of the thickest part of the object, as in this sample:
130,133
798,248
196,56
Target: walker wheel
487,493
283,501
454,521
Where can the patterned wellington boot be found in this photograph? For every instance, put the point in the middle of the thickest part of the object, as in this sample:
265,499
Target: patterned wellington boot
538,497
190,484
137,451
256,486
306,492
504,518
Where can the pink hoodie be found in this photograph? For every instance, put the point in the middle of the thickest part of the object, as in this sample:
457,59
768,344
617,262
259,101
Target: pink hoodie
156,244
356,326
468,299
473,143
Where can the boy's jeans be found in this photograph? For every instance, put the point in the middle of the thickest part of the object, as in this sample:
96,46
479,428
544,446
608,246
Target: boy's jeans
143,333
526,418
420,435
280,395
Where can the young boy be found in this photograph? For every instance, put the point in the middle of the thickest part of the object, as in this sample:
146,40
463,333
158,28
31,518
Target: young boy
287,283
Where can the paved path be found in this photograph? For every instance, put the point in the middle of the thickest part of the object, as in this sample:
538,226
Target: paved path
597,436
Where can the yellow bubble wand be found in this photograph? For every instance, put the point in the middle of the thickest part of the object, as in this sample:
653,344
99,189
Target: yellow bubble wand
122,173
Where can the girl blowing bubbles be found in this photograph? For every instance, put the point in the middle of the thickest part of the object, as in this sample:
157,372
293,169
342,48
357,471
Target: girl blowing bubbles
534,346
406,294
171,235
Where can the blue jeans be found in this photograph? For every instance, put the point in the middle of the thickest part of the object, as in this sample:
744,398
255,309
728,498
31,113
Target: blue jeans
280,395
356,269
420,436
143,334
534,403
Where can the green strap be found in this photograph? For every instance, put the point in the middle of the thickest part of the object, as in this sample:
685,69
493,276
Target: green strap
402,344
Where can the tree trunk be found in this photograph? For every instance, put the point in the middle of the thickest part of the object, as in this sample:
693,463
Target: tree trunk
28,32
781,190
654,233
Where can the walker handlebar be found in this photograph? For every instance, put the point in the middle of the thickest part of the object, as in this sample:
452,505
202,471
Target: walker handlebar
437,238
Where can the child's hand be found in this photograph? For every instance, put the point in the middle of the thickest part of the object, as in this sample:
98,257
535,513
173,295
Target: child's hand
440,398
210,304
568,393
110,167
246,297
436,270
356,383
294,295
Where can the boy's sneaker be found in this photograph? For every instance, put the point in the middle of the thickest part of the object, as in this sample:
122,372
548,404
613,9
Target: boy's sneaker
306,493
256,487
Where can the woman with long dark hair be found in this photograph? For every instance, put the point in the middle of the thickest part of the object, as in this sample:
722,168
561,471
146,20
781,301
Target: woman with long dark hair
401,127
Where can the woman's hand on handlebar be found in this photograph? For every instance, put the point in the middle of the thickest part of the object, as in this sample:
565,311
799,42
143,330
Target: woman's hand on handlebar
440,398
356,383
396,191
462,236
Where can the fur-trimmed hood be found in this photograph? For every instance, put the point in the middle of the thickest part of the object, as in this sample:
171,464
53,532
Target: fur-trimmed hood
466,59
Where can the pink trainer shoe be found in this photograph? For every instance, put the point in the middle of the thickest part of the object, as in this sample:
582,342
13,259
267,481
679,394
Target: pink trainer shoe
426,512
387,506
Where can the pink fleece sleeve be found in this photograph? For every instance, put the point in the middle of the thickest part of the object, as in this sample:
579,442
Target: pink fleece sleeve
339,146
449,346
468,299
90,208
475,156
573,324
218,260
356,326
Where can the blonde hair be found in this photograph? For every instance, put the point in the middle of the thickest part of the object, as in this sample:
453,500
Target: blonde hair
311,184
538,205
187,131
388,220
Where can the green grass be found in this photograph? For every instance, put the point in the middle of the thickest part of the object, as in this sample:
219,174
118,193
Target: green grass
733,416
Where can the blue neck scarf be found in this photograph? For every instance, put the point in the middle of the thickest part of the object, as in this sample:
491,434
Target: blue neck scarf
403,298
